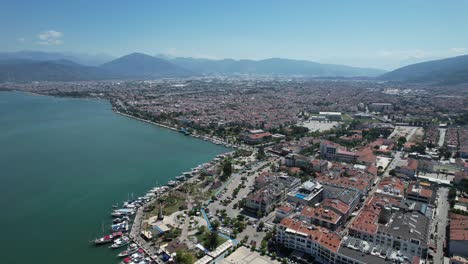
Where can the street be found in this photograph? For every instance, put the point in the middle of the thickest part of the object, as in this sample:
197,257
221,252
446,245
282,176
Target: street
440,220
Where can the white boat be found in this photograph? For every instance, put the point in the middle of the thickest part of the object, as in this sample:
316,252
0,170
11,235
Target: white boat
120,242
180,178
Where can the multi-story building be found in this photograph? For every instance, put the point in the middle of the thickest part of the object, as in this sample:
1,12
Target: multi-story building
382,223
329,149
458,236
420,193
408,168
380,107
313,240
308,193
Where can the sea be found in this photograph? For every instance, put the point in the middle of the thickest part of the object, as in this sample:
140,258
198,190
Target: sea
64,162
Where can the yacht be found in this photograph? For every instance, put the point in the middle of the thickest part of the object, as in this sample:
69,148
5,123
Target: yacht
120,242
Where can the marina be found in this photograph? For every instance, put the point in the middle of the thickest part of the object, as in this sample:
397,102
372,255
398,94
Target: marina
139,250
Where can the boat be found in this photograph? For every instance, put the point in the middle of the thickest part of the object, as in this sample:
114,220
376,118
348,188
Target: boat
120,242
172,183
133,248
108,238
120,219
123,212
180,178
123,226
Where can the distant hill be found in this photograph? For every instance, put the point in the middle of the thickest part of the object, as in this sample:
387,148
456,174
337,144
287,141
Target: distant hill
35,56
56,70
274,66
80,58
23,66
142,65
446,71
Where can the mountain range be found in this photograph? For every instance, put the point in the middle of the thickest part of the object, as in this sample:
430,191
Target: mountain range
445,71
26,66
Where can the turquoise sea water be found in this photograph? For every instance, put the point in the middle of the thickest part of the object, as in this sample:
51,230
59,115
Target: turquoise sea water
64,162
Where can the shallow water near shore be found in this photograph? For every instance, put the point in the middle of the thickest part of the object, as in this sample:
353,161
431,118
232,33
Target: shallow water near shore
64,162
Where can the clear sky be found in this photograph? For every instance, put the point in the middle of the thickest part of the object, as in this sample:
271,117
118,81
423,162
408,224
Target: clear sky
373,33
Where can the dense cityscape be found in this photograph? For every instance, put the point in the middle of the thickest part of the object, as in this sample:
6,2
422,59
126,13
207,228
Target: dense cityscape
333,171
234,132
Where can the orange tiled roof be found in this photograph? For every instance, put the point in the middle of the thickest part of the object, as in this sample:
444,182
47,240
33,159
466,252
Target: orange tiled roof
319,235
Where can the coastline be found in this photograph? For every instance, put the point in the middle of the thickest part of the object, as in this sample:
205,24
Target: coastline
146,121
216,141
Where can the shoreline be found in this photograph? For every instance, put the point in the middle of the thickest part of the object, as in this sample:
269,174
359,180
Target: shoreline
215,141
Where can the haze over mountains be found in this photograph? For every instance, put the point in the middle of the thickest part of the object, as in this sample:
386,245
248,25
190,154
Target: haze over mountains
445,71
26,66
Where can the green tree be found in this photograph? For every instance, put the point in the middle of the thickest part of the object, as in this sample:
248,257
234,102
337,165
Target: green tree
212,240
215,224
261,153
184,257
227,170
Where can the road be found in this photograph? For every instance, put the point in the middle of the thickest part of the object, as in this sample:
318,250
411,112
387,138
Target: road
395,161
441,219
233,184
442,132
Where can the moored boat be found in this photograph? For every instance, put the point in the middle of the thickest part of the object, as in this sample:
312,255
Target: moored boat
120,242
133,248
108,238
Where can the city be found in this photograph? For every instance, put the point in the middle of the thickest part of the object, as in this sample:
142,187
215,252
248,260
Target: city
234,132
333,172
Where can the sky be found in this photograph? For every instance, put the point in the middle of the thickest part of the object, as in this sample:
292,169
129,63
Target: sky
380,34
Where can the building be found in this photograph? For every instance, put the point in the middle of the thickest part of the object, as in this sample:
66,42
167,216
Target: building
322,215
348,179
345,200
256,136
380,107
297,160
280,180
313,240
283,212
270,188
331,115
346,156
329,149
391,186
458,235
420,193
382,222
308,193
408,167
262,201
328,247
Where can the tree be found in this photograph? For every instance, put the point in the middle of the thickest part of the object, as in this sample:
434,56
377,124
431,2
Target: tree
227,169
392,172
401,141
183,257
212,240
260,225
215,224
261,153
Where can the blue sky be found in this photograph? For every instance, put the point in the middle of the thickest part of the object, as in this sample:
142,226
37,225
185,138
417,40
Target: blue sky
383,34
